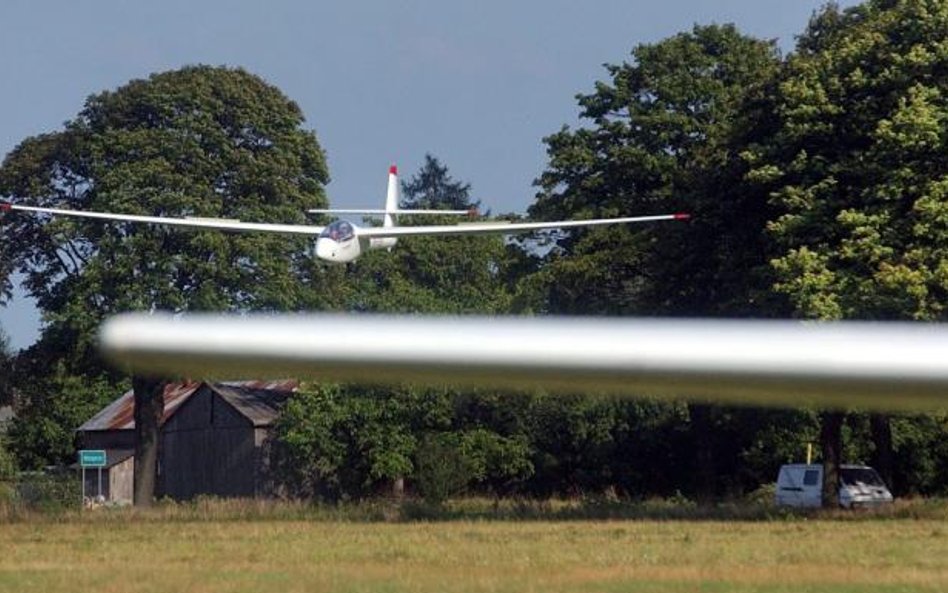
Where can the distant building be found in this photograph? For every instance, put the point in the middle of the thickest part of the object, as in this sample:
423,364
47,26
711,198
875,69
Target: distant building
212,437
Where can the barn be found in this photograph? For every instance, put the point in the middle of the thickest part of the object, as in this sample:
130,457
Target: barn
212,440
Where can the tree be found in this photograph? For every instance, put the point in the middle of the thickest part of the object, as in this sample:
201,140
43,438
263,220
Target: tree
6,370
431,188
8,467
348,441
831,441
200,141
666,133
857,168
367,439
434,274
860,164
52,402
443,470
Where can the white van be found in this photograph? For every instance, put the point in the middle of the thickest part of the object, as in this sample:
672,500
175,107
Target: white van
801,485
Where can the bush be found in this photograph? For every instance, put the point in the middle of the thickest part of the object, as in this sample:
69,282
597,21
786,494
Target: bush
47,492
7,462
441,468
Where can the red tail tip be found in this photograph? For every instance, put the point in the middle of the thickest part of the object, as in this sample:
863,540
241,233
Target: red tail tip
681,216
5,206
393,170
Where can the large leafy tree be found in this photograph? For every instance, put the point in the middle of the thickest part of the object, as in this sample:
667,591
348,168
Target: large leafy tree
200,141
861,165
858,169
665,133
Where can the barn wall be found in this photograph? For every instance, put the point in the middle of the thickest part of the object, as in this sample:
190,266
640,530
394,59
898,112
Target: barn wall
108,439
121,476
264,485
207,448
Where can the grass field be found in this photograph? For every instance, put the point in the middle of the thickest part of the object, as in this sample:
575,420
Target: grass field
285,550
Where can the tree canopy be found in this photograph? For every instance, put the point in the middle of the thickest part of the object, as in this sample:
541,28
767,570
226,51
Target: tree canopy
663,135
816,182
434,274
199,141
858,165
431,188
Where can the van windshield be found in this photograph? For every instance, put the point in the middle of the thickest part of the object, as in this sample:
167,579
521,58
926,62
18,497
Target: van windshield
853,476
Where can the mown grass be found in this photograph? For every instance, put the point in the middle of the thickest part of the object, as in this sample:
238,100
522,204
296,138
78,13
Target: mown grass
474,545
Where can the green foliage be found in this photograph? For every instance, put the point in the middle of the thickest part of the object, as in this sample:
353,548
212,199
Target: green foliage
199,141
443,468
50,493
51,404
448,275
347,442
497,462
343,442
306,456
856,170
8,465
920,446
664,135
817,186
6,370
858,164
431,188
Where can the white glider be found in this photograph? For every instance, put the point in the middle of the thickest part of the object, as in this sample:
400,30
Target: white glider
889,366
343,241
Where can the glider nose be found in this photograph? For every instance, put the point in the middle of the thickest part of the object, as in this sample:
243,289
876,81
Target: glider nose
344,251
326,248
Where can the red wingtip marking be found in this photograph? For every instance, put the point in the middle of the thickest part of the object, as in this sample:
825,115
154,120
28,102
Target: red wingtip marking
5,206
393,170
681,216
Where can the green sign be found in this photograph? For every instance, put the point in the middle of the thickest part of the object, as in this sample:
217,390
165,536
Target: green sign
92,458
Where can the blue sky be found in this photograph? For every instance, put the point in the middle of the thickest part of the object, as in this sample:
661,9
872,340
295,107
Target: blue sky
477,84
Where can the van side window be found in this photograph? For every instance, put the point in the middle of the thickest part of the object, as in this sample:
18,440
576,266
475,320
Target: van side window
811,477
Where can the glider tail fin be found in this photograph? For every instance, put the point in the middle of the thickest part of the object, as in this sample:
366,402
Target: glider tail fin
391,197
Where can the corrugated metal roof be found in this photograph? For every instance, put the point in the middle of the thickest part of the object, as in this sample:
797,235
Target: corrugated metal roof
248,397
257,401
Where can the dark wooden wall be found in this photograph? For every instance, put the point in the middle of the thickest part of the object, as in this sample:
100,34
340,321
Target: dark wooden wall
207,448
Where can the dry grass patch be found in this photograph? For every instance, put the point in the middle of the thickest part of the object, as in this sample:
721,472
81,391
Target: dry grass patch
138,552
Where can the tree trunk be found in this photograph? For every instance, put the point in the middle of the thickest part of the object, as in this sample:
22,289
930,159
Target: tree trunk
149,408
881,429
704,454
831,440
398,488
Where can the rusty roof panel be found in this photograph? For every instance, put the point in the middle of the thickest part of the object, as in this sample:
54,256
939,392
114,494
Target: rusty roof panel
120,414
257,401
